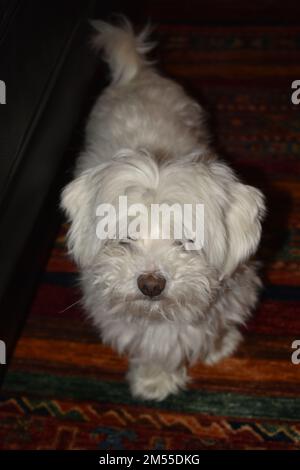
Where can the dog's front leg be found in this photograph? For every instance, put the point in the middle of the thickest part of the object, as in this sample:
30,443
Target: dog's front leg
152,382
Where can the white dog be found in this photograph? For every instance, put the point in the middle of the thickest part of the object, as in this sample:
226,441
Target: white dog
163,305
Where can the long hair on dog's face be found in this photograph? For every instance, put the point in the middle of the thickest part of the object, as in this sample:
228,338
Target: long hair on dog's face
156,279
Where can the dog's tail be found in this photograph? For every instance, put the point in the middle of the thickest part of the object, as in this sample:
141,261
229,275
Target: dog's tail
123,50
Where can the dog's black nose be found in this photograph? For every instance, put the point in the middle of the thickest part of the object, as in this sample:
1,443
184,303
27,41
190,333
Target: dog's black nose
151,284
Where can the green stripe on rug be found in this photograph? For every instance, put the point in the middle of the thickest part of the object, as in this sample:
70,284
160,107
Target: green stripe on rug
192,401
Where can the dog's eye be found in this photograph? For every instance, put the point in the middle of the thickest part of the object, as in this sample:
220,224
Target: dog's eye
182,243
127,240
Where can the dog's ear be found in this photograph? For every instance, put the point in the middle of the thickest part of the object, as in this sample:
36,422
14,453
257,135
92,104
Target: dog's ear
77,202
243,208
243,224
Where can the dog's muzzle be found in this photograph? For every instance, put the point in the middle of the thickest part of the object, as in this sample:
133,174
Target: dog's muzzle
151,284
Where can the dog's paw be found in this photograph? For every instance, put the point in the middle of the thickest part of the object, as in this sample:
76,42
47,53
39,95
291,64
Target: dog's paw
150,382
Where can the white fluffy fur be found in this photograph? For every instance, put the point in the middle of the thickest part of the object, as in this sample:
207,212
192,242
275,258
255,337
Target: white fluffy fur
147,139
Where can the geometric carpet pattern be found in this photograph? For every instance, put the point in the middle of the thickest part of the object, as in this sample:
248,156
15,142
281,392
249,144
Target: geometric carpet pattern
65,390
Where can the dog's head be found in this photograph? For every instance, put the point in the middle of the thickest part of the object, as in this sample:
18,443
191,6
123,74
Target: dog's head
143,274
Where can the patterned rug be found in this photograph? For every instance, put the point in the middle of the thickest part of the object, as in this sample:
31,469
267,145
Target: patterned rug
65,390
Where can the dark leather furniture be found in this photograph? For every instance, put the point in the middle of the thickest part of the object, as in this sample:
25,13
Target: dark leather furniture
47,66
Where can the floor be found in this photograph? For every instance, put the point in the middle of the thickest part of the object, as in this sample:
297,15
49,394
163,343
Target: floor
65,390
